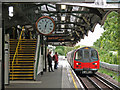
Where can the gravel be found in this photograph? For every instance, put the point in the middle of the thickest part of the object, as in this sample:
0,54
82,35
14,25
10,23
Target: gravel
108,78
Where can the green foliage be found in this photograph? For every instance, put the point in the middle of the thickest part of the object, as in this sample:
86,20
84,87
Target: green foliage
60,50
114,75
76,47
110,39
63,50
68,49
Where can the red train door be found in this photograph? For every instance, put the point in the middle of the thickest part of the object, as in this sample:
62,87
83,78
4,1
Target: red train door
86,59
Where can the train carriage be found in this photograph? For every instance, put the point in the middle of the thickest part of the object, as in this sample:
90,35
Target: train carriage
84,59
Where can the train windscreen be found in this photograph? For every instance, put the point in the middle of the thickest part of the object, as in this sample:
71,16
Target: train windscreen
78,55
94,55
86,54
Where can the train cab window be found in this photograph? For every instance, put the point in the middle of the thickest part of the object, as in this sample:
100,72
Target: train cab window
94,54
78,54
86,54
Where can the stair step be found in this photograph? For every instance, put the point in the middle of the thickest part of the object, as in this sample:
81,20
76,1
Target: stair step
23,49
23,66
21,72
19,78
22,75
20,55
22,58
21,69
22,39
26,44
24,70
26,51
25,61
23,54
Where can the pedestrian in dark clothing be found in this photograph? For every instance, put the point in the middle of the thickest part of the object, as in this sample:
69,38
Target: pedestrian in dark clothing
50,62
55,58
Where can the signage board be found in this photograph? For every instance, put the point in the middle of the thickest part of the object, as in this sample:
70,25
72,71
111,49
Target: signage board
55,39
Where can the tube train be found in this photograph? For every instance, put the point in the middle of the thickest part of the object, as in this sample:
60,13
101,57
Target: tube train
84,59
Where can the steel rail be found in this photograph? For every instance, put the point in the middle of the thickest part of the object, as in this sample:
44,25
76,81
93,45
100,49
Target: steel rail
84,84
108,82
104,83
97,86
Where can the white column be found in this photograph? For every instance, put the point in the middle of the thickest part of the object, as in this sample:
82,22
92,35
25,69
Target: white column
6,71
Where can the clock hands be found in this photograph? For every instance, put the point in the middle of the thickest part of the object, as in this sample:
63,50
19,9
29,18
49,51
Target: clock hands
45,25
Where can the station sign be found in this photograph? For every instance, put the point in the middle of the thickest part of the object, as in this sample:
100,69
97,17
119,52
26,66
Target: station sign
56,39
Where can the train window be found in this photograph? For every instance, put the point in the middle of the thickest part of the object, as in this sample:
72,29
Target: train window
86,54
78,54
94,54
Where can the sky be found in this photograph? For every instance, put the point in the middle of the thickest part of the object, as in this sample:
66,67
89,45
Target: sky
92,36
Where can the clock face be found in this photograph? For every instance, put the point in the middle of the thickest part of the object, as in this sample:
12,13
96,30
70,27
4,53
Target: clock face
45,25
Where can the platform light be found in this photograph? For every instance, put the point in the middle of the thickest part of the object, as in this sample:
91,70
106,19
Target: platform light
11,11
63,6
62,26
62,18
18,26
62,42
69,30
59,31
36,11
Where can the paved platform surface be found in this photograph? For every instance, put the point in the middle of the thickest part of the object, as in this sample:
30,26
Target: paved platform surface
60,79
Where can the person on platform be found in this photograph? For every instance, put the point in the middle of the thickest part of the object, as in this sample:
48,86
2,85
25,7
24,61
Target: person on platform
55,58
50,62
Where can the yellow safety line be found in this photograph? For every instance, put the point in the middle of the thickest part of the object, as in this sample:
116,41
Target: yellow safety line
73,80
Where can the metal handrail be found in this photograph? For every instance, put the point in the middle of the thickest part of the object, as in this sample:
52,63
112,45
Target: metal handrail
16,52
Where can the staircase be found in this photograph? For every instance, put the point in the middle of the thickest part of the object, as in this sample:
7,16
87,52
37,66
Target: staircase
23,64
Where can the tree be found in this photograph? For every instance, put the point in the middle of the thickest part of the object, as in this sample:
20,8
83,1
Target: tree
60,50
110,39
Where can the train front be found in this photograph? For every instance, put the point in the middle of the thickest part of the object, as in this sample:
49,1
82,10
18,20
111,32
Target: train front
86,60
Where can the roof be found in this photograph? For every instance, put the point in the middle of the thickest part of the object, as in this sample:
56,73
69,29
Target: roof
79,19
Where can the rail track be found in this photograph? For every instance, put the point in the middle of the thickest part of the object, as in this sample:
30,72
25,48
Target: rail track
97,82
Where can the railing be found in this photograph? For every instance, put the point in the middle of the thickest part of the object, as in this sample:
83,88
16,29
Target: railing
16,52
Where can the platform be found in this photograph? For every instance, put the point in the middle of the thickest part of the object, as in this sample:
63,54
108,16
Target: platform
61,78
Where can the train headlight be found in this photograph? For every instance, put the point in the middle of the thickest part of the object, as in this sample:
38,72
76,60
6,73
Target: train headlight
94,63
78,63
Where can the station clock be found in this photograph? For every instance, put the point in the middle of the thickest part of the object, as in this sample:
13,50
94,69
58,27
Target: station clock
45,25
